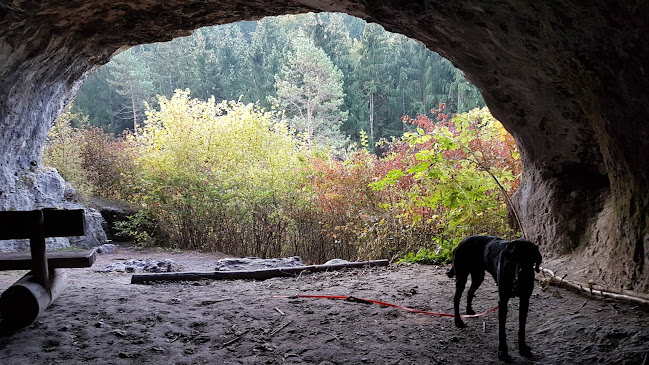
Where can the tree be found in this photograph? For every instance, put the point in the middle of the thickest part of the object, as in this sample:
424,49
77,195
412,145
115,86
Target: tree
267,55
131,79
373,55
310,87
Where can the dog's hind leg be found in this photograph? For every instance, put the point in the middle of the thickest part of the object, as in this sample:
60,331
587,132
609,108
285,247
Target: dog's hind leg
523,348
503,353
460,283
476,279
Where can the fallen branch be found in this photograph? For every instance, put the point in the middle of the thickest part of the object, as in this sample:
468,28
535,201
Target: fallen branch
226,344
594,289
280,328
253,274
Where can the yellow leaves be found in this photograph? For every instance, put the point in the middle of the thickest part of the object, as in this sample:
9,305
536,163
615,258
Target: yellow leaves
228,144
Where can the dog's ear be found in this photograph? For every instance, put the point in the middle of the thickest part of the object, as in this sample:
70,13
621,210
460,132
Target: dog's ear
512,250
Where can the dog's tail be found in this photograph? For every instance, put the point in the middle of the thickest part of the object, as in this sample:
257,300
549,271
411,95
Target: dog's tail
450,272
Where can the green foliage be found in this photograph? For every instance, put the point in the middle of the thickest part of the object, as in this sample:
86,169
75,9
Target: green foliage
233,177
139,227
460,173
442,255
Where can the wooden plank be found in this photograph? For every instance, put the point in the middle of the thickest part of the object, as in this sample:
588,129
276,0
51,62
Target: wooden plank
55,259
56,223
250,274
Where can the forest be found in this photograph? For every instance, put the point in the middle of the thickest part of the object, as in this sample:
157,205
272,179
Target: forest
316,135
372,77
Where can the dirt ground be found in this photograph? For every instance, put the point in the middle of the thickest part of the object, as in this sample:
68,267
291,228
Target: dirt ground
101,318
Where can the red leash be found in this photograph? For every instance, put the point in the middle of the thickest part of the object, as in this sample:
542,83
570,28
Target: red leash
370,301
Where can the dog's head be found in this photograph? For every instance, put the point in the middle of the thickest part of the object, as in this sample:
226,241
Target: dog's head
523,258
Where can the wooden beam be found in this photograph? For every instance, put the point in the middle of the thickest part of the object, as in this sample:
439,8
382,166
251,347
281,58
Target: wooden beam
252,274
37,247
56,223
55,259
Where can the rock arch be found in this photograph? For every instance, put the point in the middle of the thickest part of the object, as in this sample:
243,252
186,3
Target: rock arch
569,80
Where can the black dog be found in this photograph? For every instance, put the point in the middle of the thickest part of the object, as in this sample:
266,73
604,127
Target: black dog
511,264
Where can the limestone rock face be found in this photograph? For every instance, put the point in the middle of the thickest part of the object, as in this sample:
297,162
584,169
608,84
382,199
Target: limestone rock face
35,188
567,79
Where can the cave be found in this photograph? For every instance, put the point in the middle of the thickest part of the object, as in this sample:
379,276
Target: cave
567,79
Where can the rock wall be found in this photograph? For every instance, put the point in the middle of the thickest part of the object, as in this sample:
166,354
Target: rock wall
567,79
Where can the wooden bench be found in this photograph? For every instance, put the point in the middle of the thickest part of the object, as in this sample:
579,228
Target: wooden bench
21,303
55,259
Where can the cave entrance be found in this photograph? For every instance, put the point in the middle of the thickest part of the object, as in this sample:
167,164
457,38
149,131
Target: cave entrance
566,79
284,63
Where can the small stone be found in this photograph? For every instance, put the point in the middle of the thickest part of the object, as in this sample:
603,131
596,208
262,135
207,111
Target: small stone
127,355
106,248
119,333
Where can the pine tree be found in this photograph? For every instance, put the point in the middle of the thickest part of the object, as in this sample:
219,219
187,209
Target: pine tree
131,79
310,87
267,54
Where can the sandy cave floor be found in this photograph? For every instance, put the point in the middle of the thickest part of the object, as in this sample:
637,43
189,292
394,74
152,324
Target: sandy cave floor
101,318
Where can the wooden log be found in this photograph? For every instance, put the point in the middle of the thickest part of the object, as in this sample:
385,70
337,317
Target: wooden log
251,274
25,300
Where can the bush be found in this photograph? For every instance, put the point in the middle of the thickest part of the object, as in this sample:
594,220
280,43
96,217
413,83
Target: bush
63,151
234,178
109,163
141,228
459,174
441,255
219,176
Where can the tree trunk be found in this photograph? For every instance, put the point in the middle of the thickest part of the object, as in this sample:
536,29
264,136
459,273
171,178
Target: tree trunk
130,84
372,116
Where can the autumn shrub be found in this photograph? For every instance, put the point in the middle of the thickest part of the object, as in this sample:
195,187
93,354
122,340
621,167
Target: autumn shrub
218,175
461,172
63,151
95,163
350,212
447,179
109,163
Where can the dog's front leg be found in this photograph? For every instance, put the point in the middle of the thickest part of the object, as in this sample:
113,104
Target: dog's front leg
523,348
503,353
